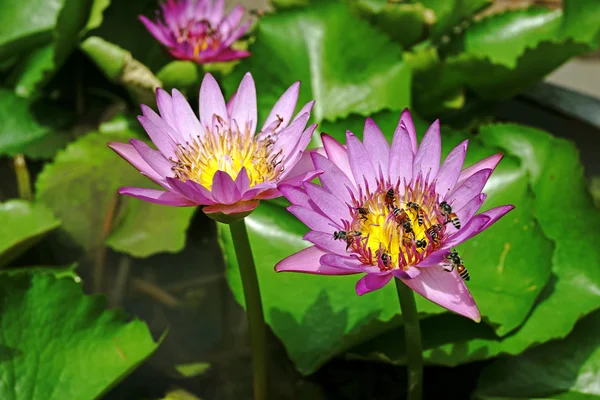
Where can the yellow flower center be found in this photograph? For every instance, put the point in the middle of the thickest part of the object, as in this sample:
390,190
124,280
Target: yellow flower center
228,150
396,231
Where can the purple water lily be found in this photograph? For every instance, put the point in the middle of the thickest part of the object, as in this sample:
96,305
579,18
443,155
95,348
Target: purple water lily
198,30
218,161
394,212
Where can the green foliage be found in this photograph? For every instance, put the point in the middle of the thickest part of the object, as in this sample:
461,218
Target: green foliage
81,185
19,129
316,46
552,168
565,369
57,343
180,74
26,26
23,225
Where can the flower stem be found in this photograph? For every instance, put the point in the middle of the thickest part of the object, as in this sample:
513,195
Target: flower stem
412,331
23,178
256,320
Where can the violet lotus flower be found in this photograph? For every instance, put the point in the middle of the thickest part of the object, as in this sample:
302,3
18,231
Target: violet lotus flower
198,30
218,161
393,212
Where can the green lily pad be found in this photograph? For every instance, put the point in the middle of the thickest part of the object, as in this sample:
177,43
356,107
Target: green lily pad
326,48
406,24
81,185
180,74
57,343
19,128
555,177
450,13
23,225
26,26
569,367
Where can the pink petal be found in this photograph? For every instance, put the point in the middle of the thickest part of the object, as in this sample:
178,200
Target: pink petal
446,289
495,214
352,265
450,170
360,162
155,31
376,145
156,196
307,261
298,151
241,207
333,179
234,17
288,138
313,219
329,205
165,107
130,155
188,190
410,273
487,163
237,33
159,137
303,165
427,159
406,125
153,158
475,226
187,123
243,110
300,180
216,14
337,154
211,102
227,55
161,123
307,108
284,108
223,189
470,188
371,282
326,242
295,195
242,182
401,158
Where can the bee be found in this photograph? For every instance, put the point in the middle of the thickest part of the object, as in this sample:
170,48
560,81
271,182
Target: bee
385,258
347,236
421,243
446,211
418,210
363,213
458,264
434,233
408,229
390,198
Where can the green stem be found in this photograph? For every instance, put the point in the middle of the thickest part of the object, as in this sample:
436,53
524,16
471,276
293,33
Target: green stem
23,178
412,331
256,320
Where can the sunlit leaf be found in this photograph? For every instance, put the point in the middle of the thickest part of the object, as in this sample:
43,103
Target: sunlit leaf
23,225
57,343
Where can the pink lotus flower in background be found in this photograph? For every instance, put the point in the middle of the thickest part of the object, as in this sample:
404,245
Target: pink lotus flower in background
198,30
393,212
217,161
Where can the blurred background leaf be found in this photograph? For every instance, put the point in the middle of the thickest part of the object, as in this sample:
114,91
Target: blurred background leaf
315,46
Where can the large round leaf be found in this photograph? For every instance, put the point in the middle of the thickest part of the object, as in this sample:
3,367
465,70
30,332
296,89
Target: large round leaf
23,224
330,51
566,214
57,343
80,186
568,367
19,129
26,24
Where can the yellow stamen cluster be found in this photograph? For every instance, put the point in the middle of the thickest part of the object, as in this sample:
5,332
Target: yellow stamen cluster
390,234
227,149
